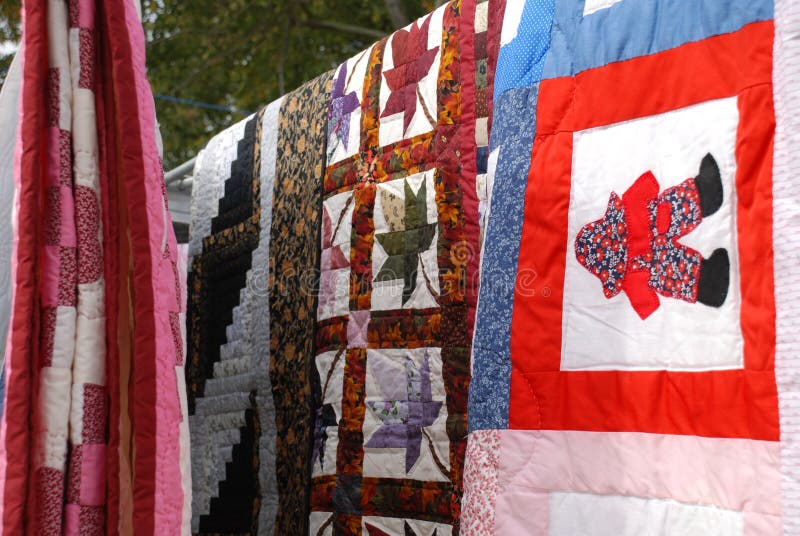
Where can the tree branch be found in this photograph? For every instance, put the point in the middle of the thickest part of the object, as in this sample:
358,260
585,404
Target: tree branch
345,28
396,13
282,60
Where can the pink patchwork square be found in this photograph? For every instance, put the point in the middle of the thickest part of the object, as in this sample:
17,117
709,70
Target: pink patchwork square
67,214
55,161
50,263
85,13
74,479
357,329
48,335
91,521
67,277
86,79
72,521
93,476
50,498
94,414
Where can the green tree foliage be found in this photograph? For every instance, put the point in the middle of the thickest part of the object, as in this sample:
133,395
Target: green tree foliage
241,54
9,32
246,53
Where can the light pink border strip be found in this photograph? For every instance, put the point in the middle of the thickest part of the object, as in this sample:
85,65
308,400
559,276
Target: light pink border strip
737,474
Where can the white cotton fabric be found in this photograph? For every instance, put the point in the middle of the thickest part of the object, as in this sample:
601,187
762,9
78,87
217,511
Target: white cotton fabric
615,515
592,6
608,334
511,19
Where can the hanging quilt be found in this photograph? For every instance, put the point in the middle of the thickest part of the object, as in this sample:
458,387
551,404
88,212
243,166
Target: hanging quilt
634,370
93,435
407,136
333,281
253,256
232,151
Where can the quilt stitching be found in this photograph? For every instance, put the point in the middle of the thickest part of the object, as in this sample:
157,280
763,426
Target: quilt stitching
403,232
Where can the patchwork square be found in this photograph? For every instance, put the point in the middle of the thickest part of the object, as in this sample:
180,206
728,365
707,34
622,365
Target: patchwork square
337,223
404,262
672,255
50,492
404,424
94,411
334,293
330,370
610,159
388,526
357,326
410,69
344,113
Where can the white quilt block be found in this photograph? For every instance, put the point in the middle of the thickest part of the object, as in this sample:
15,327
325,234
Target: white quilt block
337,216
330,368
405,269
408,96
405,420
381,526
511,19
607,334
344,112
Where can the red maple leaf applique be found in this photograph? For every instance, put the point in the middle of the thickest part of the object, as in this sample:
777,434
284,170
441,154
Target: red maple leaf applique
372,530
412,60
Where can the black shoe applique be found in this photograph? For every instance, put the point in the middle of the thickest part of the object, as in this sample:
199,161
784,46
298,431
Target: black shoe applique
709,186
714,279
